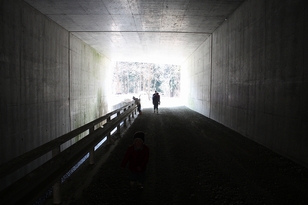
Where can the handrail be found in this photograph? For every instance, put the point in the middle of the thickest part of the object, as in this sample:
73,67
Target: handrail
30,187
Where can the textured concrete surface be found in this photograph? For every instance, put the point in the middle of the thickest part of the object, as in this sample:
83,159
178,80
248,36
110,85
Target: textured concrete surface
245,68
258,82
139,30
34,79
90,80
193,160
51,81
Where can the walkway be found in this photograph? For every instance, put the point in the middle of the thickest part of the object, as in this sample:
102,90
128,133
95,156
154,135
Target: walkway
193,160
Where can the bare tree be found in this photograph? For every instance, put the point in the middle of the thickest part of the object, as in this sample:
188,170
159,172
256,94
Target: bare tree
133,77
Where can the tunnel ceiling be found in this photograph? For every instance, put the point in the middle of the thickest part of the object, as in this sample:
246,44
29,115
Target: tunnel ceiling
158,31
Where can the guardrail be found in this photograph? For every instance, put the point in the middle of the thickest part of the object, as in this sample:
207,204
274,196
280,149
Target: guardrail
29,188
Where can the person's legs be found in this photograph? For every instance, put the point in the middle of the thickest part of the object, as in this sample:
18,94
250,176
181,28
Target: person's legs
132,178
140,179
155,107
137,179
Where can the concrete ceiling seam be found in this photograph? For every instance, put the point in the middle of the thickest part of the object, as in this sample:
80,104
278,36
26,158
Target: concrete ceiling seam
156,31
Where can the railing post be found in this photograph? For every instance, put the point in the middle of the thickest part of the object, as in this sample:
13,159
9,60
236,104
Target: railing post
108,136
56,186
125,118
125,122
91,152
119,125
129,115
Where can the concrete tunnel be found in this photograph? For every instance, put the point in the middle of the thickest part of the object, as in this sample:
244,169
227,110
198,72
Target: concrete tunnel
243,64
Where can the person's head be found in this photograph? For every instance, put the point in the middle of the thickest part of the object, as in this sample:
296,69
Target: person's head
138,139
134,97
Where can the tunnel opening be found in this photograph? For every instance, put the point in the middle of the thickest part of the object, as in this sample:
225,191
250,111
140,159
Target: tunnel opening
141,80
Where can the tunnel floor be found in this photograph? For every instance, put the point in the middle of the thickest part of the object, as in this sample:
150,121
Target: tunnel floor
194,160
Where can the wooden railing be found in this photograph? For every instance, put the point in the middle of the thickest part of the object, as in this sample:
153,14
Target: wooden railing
33,185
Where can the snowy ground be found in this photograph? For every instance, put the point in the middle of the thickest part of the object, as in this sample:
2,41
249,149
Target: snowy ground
146,101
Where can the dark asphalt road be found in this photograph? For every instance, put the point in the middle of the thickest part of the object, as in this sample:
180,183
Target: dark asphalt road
194,160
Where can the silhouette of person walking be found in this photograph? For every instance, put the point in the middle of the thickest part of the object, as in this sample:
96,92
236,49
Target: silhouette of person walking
156,101
137,102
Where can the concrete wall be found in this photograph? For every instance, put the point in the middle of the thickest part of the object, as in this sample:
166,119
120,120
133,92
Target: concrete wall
90,81
196,79
51,82
259,76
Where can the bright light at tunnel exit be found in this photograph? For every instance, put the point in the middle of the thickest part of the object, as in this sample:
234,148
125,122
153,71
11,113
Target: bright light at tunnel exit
142,79
164,102
146,102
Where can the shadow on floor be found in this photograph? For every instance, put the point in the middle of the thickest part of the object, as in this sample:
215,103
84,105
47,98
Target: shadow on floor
194,160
